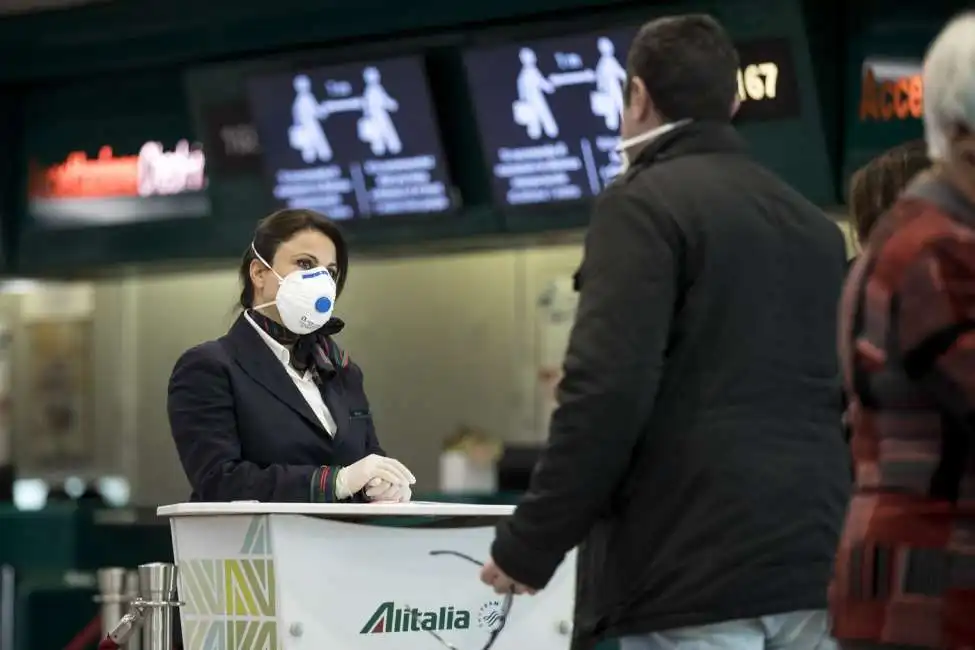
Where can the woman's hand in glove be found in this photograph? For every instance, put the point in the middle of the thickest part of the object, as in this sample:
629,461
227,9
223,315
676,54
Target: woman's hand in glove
356,476
381,491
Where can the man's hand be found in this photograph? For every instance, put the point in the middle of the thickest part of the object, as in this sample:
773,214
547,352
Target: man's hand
493,576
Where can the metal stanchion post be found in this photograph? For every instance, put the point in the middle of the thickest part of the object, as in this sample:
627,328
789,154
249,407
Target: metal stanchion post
151,594
112,597
157,589
7,597
132,592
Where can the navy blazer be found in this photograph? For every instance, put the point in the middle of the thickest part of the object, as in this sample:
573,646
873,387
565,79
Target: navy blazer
242,429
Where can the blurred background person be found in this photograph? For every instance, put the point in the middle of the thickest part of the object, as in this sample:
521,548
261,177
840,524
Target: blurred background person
907,345
875,186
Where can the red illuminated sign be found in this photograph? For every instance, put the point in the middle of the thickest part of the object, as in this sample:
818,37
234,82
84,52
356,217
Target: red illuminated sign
153,172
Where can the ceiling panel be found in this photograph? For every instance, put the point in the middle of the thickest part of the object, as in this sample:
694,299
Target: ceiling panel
8,7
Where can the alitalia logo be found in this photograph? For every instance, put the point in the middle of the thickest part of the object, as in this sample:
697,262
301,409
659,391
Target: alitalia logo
390,617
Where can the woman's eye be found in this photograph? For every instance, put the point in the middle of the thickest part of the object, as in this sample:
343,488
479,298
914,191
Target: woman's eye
305,265
334,273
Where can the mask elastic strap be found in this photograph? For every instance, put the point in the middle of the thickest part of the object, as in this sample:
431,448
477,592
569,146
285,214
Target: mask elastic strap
652,134
269,268
264,262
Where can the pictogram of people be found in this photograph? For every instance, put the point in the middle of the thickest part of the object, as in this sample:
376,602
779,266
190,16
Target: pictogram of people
375,127
531,109
307,135
607,100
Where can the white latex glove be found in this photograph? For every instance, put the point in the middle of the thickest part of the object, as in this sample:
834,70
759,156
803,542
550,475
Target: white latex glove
353,478
382,491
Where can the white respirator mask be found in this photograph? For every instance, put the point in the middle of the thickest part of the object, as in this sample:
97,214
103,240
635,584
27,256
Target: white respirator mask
305,299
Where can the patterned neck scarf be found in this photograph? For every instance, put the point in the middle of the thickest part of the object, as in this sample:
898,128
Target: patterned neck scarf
316,353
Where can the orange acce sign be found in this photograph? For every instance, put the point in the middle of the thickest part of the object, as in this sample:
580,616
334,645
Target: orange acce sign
901,98
78,177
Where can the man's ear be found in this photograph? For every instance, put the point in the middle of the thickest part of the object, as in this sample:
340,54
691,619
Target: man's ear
639,99
735,105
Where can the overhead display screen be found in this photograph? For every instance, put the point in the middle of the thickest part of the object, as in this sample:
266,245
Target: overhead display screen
549,115
112,188
549,110
352,141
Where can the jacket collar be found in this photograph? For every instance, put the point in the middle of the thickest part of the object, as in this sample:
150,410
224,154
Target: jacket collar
939,192
691,139
259,361
281,352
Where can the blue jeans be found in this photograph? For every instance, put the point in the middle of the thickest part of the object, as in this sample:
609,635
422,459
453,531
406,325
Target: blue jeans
807,630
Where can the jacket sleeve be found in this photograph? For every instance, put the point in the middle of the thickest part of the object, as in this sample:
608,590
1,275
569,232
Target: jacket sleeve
611,372
356,386
202,418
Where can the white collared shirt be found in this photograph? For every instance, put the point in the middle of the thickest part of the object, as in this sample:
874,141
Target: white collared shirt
303,381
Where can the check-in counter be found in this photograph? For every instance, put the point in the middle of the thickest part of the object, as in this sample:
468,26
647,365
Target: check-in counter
302,576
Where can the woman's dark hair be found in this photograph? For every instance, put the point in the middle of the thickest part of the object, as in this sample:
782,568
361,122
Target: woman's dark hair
875,186
279,227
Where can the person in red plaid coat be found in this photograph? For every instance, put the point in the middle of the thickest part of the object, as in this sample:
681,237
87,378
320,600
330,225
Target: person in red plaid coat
905,573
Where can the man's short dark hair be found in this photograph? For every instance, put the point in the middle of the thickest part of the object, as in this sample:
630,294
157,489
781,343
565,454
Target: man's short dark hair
689,65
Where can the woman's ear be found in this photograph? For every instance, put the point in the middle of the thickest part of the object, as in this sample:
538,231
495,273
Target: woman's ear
257,271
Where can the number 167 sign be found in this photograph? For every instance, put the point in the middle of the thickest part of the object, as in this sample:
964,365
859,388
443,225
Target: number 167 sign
758,81
767,87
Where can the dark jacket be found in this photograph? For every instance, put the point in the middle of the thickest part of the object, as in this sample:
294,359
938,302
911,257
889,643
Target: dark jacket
697,449
242,429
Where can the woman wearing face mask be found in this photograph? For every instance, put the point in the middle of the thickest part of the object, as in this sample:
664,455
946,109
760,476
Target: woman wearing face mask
274,410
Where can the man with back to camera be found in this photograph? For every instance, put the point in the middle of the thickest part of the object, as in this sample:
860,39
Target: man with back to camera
697,453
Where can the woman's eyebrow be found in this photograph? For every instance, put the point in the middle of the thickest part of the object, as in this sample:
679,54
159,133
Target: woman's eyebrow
298,256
